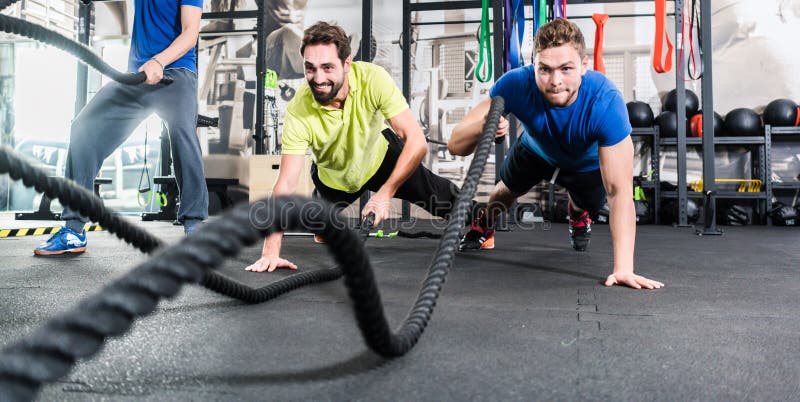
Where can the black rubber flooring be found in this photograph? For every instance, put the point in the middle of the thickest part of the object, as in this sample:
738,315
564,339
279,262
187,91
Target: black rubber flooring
529,320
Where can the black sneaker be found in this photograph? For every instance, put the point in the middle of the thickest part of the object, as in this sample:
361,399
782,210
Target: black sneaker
580,231
478,237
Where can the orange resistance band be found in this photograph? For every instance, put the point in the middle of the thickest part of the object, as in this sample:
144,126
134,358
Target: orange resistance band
797,120
600,21
661,35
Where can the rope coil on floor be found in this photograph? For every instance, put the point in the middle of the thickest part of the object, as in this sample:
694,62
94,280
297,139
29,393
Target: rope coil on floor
51,351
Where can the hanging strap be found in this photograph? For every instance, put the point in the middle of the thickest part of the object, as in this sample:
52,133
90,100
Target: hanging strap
599,34
661,35
507,33
559,9
484,46
516,35
695,71
542,12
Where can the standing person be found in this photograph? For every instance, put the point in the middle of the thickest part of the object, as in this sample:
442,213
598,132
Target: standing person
162,44
577,133
340,114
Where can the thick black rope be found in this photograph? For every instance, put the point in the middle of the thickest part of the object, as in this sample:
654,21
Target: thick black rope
90,205
51,351
24,28
75,197
418,235
6,3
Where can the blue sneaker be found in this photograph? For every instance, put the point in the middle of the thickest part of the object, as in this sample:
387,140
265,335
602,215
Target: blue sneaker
64,241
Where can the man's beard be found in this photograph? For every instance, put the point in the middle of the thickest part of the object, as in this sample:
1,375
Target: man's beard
325,99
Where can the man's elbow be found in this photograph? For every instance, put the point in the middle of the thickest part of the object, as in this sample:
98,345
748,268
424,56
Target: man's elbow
452,149
418,146
457,149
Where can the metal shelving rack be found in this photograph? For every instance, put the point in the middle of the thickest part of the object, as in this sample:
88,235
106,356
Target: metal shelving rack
762,144
777,134
654,184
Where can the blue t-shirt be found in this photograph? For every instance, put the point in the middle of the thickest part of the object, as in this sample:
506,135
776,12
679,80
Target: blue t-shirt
566,137
156,24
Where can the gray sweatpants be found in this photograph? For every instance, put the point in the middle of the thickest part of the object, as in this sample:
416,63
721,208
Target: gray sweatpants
110,118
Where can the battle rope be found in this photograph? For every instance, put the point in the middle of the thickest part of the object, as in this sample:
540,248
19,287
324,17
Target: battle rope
6,3
24,28
75,197
90,205
51,351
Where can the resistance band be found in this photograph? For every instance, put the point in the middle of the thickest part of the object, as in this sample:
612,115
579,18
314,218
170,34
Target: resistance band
599,35
661,35
542,12
514,32
694,71
484,46
560,10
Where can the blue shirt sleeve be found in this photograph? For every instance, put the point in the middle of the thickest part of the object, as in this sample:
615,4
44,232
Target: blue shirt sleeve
611,122
196,3
509,86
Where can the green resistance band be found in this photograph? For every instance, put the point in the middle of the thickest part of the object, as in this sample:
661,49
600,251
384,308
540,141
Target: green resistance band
484,46
542,12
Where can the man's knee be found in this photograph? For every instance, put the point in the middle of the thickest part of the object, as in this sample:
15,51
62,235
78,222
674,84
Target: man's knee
503,192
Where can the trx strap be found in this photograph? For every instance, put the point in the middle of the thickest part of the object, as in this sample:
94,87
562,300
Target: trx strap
599,34
484,46
661,35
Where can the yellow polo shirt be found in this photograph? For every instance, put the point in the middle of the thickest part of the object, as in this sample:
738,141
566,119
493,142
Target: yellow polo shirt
346,144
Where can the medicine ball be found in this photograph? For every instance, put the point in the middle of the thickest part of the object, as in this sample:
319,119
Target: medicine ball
667,124
692,102
640,114
696,125
781,113
742,122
